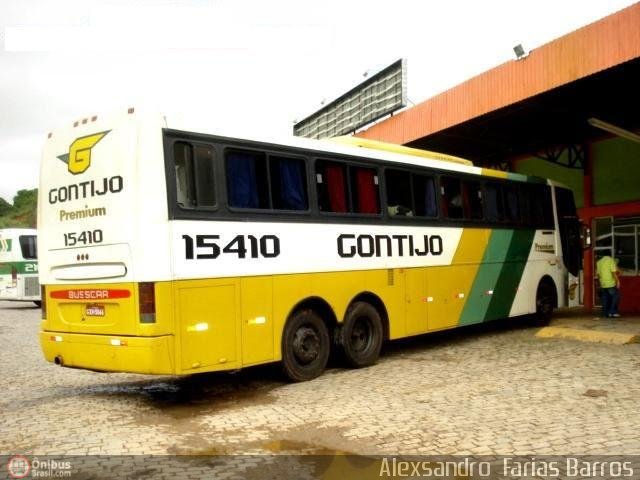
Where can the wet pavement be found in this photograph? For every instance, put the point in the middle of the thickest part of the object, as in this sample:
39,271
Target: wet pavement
491,389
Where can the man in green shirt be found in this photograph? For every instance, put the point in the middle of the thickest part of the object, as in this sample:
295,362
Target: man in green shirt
607,269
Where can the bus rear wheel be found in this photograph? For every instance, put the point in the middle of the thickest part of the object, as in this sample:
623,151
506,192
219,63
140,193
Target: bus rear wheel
305,346
360,337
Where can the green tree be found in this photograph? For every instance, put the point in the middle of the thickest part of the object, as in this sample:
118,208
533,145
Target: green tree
25,199
5,207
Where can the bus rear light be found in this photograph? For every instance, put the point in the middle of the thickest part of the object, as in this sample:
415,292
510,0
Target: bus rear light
116,342
43,302
147,302
14,277
56,338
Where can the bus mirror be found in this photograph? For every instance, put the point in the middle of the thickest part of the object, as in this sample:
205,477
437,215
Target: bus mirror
585,236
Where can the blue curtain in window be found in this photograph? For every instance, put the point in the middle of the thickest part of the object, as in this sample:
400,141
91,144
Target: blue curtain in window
431,207
292,184
241,181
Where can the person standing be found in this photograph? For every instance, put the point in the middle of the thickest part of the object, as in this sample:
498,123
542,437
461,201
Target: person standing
609,277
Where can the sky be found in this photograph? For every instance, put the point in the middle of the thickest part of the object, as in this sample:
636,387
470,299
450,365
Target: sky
245,65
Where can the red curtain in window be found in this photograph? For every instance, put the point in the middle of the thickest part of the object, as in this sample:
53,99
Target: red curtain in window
335,188
367,191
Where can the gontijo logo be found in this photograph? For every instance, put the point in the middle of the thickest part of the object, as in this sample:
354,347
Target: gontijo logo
79,157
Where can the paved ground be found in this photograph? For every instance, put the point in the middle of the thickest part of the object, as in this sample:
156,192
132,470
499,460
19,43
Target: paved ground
490,390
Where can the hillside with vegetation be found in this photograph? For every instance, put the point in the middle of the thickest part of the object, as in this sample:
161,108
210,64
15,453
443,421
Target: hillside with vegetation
22,213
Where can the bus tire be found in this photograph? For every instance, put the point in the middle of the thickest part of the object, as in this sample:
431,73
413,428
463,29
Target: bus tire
38,303
305,346
545,301
361,335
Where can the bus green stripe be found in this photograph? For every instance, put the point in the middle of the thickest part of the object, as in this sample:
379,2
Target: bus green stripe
478,301
21,267
512,269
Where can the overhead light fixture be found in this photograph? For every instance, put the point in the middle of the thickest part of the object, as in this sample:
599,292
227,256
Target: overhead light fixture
519,51
619,131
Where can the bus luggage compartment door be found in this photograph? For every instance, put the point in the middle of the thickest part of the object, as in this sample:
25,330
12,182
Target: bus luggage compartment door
208,324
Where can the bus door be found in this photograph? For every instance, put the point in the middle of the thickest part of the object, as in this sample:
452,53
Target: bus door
569,226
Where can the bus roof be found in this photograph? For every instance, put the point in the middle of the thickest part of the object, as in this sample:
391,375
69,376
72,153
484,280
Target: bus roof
339,145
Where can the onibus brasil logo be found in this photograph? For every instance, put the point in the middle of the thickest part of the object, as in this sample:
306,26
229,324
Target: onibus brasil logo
79,157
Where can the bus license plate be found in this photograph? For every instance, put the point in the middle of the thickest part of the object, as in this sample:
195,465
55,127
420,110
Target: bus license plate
94,311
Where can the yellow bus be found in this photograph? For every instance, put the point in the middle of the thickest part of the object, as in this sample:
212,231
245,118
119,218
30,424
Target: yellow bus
170,251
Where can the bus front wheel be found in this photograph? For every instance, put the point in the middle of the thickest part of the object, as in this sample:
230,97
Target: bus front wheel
305,346
361,335
545,301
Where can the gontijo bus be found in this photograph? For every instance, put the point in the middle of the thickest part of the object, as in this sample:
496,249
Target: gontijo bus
19,265
167,251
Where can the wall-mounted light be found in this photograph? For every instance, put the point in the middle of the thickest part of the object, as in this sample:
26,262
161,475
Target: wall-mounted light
619,131
520,52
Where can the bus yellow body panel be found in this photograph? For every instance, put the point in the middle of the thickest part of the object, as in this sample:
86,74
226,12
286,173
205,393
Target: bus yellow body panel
151,355
230,323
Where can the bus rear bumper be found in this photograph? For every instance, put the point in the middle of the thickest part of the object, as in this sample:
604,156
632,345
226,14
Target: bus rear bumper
109,353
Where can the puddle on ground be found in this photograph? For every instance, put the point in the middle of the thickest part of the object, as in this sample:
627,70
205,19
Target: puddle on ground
189,397
595,393
300,448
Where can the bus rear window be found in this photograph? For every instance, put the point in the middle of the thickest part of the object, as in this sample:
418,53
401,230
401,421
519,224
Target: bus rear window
28,246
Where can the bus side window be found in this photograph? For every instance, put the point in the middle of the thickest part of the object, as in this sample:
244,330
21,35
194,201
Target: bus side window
183,162
194,175
494,203
365,196
246,179
424,192
288,183
512,203
28,246
452,201
398,193
332,186
536,206
547,207
204,182
473,200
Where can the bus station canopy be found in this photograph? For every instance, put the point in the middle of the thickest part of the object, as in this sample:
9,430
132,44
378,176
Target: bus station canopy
570,91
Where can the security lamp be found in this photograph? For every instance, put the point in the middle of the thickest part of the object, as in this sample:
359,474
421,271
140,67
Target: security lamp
519,51
619,131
